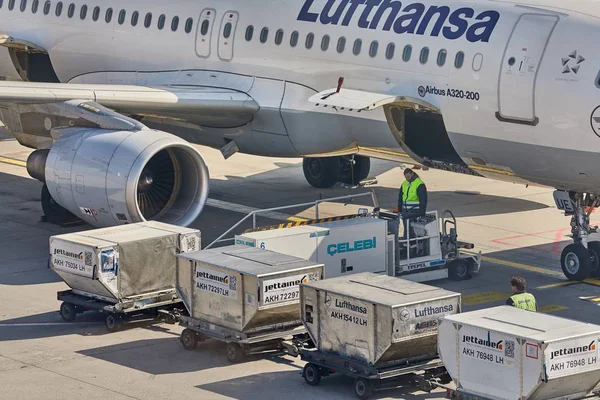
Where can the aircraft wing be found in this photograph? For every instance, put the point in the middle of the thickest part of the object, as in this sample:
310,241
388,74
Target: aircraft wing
201,105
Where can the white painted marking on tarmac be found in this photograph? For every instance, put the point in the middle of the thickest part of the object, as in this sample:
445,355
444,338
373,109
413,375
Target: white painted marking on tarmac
49,324
225,205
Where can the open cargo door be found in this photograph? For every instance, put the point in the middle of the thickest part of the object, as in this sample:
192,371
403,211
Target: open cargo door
31,61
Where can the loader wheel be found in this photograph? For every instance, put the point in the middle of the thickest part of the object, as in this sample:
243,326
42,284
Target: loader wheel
458,270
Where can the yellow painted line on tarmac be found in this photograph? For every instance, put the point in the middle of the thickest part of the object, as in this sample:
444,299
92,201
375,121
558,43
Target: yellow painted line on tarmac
558,284
552,308
296,219
12,161
484,297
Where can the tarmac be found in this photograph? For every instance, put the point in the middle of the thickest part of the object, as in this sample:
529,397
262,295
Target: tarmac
517,228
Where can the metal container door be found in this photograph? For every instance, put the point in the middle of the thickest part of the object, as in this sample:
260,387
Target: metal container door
204,33
520,64
227,35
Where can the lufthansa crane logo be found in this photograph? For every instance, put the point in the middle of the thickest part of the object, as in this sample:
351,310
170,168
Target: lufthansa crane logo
595,121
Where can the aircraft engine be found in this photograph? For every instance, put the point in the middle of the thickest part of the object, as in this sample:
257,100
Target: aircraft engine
108,177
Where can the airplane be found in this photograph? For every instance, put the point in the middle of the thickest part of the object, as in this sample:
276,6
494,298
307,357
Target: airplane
112,95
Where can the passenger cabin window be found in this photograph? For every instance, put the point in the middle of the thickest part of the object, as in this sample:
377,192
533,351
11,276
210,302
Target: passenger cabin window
264,35
424,55
598,81
83,12
71,10
135,17
1,3
325,43
278,37
204,27
310,39
122,16
59,7
96,13
148,20
189,24
47,6
23,5
389,52
441,58
407,53
341,45
161,21
35,6
294,38
174,23
459,60
357,47
373,48
249,33
11,4
108,16
227,31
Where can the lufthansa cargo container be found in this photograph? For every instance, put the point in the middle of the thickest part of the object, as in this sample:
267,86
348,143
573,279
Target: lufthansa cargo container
505,353
127,261
375,319
343,247
243,289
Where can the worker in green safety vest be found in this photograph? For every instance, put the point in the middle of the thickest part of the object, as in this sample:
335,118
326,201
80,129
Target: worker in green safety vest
520,298
412,199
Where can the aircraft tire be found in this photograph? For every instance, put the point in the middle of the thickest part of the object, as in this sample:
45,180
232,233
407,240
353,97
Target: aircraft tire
362,167
575,262
322,172
594,250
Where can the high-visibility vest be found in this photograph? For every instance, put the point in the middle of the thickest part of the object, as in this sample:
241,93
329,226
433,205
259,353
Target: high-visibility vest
410,198
525,301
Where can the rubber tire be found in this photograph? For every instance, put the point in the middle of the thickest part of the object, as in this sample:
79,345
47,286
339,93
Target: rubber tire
234,353
189,339
68,312
363,388
52,209
112,323
594,250
583,258
458,270
312,370
425,386
362,167
328,166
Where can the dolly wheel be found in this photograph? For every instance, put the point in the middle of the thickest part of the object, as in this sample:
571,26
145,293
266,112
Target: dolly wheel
363,388
189,340
68,312
312,374
234,352
458,270
113,323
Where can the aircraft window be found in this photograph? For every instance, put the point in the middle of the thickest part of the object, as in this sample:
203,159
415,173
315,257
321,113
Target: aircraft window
249,33
83,12
175,23
310,38
341,45
424,55
204,27
23,5
357,47
294,38
96,13
108,16
373,48
389,52
59,7
407,53
1,3
135,17
459,60
598,81
227,30
47,6
188,25
279,37
161,21
148,20
34,6
477,62
122,16
325,43
264,35
71,10
11,4
441,58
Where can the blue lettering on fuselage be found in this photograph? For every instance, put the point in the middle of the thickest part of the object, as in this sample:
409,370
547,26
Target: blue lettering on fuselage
346,247
414,18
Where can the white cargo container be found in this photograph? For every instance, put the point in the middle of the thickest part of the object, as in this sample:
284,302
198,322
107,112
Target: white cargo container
375,319
344,247
123,262
505,353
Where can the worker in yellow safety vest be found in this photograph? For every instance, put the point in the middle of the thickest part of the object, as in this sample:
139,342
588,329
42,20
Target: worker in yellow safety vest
412,199
520,298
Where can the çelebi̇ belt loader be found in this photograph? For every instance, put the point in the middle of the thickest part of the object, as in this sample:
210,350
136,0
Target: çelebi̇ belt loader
120,271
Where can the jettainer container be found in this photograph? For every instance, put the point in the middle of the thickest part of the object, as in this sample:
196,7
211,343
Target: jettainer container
243,289
375,319
505,353
123,262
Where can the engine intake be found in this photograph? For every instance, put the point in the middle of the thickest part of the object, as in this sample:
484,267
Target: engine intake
110,178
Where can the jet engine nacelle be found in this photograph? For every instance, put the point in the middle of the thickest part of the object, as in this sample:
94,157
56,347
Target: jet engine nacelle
109,178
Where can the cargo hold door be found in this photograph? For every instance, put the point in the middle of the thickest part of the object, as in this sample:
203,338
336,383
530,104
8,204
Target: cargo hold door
522,58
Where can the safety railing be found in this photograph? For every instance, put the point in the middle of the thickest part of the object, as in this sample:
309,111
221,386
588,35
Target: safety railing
315,203
407,241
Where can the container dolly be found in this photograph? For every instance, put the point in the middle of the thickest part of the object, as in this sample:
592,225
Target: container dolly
368,378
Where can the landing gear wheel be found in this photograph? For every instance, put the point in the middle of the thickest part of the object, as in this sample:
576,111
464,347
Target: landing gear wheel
322,172
458,270
52,210
594,250
68,312
189,339
363,388
113,323
575,261
312,374
234,352
353,174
